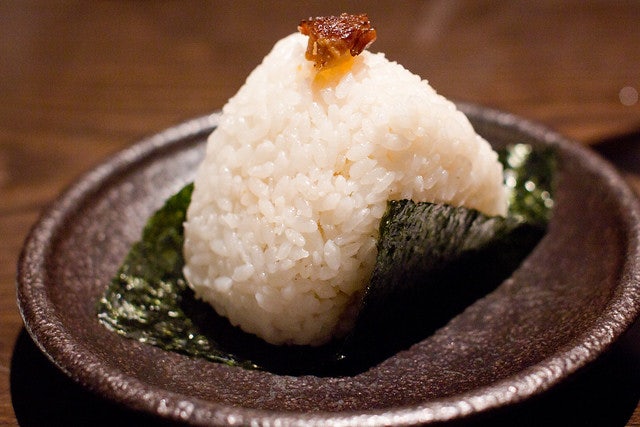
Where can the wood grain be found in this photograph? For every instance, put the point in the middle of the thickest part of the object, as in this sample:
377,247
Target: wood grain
81,80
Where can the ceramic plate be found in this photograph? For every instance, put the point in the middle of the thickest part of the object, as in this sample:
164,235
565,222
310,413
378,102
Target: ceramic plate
575,294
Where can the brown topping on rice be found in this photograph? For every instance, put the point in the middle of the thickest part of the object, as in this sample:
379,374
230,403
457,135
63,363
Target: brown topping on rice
332,39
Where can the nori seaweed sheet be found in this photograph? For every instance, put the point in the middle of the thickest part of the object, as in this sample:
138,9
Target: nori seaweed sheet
433,261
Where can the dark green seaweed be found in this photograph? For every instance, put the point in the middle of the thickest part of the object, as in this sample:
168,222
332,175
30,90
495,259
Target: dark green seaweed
433,261
149,299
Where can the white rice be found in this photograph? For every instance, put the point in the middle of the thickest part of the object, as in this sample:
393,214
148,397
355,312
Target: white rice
281,231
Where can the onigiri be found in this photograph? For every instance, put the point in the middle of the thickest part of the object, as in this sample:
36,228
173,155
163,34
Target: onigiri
281,231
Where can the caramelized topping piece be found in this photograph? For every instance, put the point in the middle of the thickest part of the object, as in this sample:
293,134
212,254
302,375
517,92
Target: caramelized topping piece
333,39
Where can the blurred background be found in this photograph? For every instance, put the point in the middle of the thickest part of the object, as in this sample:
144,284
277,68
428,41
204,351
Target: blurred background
80,80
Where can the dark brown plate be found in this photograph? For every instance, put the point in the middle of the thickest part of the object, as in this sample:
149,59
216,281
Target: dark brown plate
569,301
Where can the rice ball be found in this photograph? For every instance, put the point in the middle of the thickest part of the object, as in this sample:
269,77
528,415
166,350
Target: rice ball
281,232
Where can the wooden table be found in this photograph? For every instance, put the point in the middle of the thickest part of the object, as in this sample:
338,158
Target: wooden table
82,80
